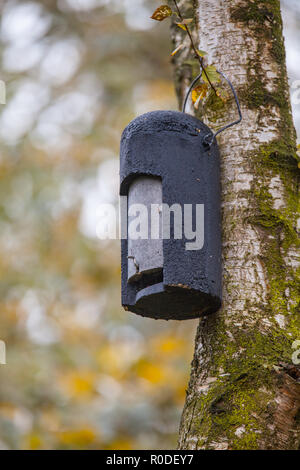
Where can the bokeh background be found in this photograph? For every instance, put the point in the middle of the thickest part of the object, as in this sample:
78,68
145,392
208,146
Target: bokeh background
81,373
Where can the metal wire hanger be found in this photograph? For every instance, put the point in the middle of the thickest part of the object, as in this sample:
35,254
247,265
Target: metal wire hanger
208,139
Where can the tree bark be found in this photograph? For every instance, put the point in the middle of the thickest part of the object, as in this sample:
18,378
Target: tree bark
244,391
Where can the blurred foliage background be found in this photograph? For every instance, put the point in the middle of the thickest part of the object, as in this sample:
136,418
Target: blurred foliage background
81,373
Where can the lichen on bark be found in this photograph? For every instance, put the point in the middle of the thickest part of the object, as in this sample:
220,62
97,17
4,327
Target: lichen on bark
242,393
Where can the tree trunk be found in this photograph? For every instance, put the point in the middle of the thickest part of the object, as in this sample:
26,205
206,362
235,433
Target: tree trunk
244,391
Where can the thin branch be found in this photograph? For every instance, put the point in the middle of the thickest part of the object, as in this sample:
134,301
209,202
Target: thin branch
200,59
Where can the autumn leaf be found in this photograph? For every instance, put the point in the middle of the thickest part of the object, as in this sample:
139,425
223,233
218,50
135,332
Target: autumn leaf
200,90
161,13
199,93
177,49
212,74
182,26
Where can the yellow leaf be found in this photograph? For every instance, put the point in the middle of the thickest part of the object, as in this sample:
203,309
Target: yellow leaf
177,49
182,26
161,13
212,74
199,93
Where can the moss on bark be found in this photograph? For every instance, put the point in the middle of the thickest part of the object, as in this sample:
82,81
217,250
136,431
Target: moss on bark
242,375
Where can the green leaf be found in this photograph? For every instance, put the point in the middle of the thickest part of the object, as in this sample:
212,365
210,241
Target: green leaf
212,74
201,53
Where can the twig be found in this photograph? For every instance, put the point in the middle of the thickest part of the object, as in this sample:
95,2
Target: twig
194,47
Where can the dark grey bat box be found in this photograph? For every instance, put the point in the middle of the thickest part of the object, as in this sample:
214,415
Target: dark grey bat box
171,230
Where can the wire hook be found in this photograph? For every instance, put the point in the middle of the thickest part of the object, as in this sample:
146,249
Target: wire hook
210,141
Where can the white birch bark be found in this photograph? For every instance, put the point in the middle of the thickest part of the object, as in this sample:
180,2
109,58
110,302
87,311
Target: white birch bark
244,391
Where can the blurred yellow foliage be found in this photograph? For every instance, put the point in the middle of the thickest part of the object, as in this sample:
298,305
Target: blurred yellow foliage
110,360
34,442
169,345
81,372
150,371
121,444
78,384
80,438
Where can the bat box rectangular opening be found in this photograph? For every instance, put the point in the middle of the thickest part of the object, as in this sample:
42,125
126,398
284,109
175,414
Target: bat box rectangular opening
145,242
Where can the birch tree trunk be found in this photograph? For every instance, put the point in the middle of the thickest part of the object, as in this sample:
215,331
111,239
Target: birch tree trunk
244,391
